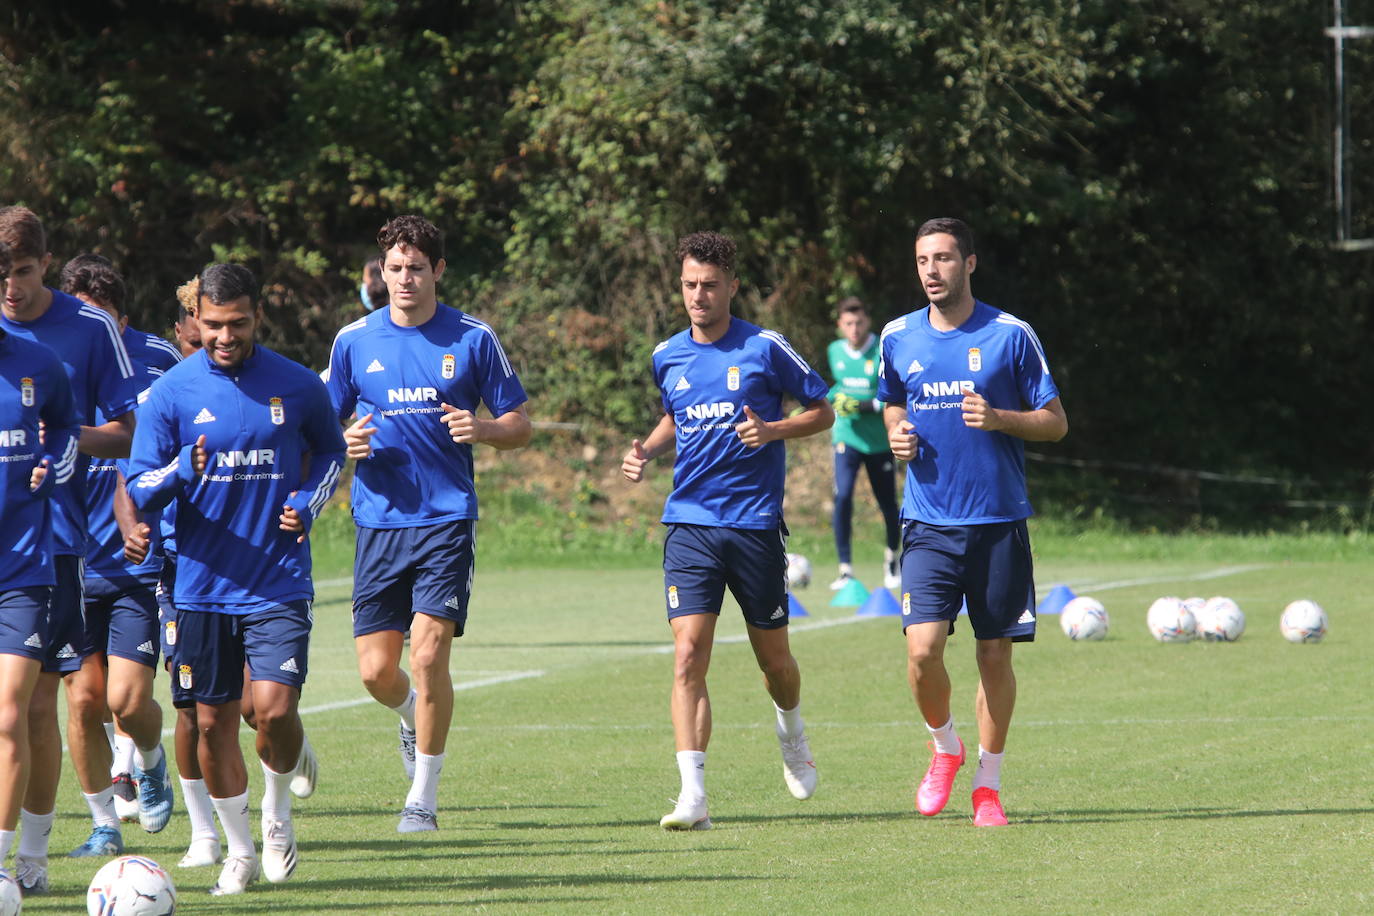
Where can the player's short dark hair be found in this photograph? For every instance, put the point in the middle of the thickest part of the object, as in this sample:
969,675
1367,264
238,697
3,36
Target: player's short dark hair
93,276
849,305
413,232
5,261
708,248
223,283
22,230
963,235
377,293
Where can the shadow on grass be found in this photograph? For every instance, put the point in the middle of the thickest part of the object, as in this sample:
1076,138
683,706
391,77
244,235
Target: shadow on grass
1121,815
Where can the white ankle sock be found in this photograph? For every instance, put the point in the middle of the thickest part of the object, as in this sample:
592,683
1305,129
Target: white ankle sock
691,768
407,710
6,843
789,723
989,772
276,794
199,809
34,830
945,738
148,759
123,761
102,807
424,790
233,817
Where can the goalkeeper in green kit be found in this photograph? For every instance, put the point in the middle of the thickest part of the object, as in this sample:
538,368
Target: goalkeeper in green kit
860,439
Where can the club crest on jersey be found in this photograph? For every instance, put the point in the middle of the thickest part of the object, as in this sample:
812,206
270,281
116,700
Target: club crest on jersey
450,366
672,597
868,367
184,676
278,413
732,378
26,392
975,359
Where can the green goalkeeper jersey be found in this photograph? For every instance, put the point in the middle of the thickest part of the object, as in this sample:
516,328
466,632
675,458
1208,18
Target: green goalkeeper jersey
856,376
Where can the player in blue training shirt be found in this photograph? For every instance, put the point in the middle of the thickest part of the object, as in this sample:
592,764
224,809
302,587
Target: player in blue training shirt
722,382
121,645
414,373
105,392
965,384
227,434
33,388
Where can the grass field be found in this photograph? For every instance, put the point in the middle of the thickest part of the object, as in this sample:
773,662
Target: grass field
1140,778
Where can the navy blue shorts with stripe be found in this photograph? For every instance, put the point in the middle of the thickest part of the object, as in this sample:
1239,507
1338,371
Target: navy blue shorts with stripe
700,562
400,572
122,618
987,566
212,647
66,617
24,621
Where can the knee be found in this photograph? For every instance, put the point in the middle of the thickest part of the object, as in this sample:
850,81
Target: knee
377,673
86,699
993,655
778,666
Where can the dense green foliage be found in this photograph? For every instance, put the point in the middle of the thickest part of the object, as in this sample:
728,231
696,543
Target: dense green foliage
1150,183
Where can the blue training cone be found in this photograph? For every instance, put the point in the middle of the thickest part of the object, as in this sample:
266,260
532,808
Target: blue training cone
794,607
852,594
880,603
1054,602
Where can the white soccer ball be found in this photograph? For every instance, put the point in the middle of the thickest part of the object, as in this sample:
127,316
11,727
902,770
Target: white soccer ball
1170,620
11,900
1084,618
1303,621
1220,620
798,571
131,886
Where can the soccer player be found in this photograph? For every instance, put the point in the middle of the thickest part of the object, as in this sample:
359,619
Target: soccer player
373,292
121,650
965,384
415,373
105,392
860,439
33,388
721,382
226,433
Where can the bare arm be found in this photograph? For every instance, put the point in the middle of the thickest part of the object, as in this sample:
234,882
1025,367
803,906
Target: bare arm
1048,424
510,430
755,431
656,443
108,440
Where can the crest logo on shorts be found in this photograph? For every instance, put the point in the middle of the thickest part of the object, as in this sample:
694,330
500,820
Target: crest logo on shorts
450,366
672,597
26,392
184,676
732,378
906,604
975,359
278,412
170,633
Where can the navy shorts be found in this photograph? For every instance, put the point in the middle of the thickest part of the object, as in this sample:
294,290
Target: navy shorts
401,572
987,566
66,617
121,618
212,647
700,562
167,629
24,621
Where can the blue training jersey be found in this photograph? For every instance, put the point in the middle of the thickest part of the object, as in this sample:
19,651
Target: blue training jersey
417,474
717,479
262,421
33,387
151,356
964,476
87,341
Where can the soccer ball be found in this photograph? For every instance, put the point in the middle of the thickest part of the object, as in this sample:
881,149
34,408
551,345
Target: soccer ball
1220,620
11,901
131,886
798,571
1303,621
1170,620
1084,618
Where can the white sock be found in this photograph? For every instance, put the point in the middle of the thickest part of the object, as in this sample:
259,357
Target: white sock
846,569
946,741
276,794
110,734
424,791
989,772
407,710
123,755
199,809
146,760
233,817
790,723
6,843
34,830
102,807
691,767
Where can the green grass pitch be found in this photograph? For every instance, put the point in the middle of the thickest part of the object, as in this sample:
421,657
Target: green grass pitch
1140,777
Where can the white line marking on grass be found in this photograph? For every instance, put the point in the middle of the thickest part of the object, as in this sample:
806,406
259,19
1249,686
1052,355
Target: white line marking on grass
791,628
1219,573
